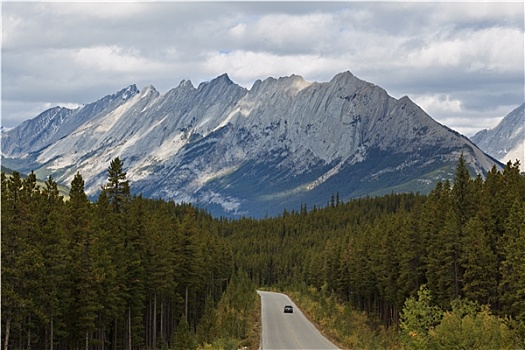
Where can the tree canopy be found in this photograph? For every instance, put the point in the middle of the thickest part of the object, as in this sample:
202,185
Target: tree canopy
126,272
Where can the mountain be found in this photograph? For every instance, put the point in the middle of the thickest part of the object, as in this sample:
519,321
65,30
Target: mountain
281,144
506,141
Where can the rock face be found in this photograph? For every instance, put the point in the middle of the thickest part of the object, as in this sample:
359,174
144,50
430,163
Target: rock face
283,143
506,141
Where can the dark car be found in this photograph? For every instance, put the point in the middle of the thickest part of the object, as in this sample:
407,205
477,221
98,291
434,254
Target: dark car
288,309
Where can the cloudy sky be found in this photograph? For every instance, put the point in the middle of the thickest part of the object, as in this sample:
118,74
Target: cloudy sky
463,63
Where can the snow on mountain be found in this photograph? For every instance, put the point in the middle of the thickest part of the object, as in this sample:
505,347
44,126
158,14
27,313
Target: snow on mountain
280,144
506,141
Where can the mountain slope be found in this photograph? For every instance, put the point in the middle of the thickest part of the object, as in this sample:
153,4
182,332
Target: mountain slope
283,143
506,141
57,123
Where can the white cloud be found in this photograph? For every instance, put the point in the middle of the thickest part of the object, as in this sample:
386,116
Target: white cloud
114,59
10,25
486,49
98,9
450,111
463,61
438,103
478,12
282,30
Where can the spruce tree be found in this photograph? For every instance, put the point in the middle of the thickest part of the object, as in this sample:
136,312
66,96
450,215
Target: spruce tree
54,244
512,268
134,234
117,188
84,275
10,225
480,278
77,194
183,337
461,193
22,260
51,192
442,255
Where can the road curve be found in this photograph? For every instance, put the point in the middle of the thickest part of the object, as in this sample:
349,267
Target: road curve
287,331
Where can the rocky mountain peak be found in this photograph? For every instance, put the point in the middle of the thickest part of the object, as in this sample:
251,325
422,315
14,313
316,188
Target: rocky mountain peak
148,91
221,80
186,84
253,152
128,92
349,80
506,141
289,86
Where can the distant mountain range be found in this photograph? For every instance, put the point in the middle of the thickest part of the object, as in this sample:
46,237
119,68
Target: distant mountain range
281,144
506,141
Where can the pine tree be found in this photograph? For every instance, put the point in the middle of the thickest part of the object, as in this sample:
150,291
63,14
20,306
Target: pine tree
51,192
117,188
441,258
189,257
22,260
183,338
411,251
11,298
111,256
444,267
54,244
134,232
480,278
114,228
162,274
84,275
462,196
512,268
385,265
77,194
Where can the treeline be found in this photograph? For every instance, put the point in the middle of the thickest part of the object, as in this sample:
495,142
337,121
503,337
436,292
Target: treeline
123,272
463,240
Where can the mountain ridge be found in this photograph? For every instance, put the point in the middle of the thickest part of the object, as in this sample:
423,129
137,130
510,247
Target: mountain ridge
281,143
506,141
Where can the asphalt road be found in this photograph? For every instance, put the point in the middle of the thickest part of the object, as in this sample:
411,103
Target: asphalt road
287,331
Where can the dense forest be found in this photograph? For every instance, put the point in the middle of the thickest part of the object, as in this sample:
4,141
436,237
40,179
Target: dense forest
121,273
125,272
463,241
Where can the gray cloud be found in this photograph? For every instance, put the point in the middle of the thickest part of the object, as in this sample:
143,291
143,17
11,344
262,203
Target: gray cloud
462,62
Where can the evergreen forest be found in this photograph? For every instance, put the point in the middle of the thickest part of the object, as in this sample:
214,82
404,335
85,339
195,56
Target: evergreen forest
404,271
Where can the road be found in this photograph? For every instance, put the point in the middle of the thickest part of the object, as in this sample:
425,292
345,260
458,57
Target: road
287,331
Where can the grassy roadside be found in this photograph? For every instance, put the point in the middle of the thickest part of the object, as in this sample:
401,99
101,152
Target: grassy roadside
343,326
235,323
254,332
